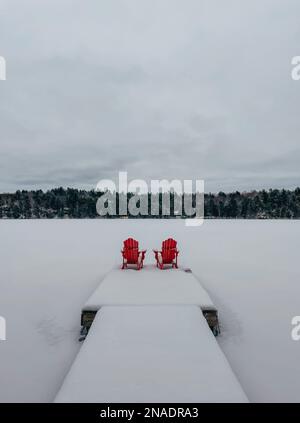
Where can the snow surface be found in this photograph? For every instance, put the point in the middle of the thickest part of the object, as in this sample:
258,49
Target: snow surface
149,286
150,354
49,268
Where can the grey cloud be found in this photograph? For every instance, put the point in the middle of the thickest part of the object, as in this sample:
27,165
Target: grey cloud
171,89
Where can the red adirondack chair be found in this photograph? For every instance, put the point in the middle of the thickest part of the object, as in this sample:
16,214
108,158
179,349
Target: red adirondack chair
131,254
168,254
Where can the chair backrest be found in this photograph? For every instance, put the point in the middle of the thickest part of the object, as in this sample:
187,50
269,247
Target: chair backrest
131,250
169,244
168,250
132,255
130,244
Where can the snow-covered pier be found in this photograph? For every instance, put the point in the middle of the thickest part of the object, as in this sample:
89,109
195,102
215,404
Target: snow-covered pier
150,286
150,354
148,341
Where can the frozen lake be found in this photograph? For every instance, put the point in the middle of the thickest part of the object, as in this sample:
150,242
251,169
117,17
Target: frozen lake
49,269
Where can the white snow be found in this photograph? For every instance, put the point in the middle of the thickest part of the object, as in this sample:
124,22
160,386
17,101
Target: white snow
150,354
149,286
50,268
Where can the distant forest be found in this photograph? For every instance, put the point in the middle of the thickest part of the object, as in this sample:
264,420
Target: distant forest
74,203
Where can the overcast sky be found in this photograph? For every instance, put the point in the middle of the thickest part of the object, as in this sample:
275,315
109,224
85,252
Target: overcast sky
197,89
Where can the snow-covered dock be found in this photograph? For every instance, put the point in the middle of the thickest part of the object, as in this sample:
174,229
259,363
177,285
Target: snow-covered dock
150,354
150,286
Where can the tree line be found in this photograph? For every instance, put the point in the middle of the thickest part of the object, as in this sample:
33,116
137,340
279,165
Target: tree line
74,203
